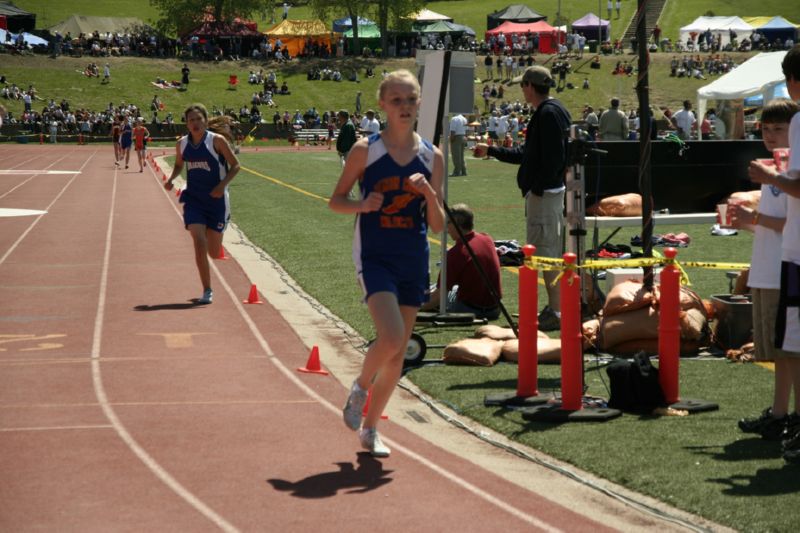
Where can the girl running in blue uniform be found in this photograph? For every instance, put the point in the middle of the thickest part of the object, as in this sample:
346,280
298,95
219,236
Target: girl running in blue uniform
399,176
210,167
125,139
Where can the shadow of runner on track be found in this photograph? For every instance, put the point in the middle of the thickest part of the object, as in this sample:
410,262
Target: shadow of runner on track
369,475
169,307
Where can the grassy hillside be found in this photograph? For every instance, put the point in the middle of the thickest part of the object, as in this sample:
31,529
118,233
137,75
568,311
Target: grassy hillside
131,82
470,12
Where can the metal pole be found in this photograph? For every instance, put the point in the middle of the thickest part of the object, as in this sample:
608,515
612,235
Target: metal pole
445,151
599,23
645,181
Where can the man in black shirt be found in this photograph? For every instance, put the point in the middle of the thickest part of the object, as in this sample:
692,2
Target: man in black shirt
347,134
542,164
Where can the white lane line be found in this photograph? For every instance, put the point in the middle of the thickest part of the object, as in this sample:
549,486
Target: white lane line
20,184
38,172
54,428
454,478
8,212
108,410
39,217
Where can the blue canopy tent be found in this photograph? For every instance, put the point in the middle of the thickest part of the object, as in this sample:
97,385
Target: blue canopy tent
343,24
778,28
758,100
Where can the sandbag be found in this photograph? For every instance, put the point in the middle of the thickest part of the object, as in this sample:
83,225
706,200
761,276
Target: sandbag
689,299
549,350
637,324
627,296
631,295
643,324
623,205
491,331
694,325
479,352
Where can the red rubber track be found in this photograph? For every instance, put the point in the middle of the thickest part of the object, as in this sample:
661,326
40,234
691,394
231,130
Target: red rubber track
123,407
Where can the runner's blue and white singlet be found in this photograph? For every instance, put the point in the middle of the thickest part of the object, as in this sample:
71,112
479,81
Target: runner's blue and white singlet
205,168
399,228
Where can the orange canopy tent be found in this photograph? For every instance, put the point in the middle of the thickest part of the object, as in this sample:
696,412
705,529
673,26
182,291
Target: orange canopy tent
293,34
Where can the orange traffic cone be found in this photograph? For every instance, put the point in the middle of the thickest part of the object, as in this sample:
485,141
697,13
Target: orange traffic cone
253,297
177,192
366,406
312,365
222,255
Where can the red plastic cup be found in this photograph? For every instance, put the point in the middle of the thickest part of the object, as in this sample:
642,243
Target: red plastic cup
781,157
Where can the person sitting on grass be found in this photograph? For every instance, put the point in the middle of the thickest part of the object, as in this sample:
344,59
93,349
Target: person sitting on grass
467,291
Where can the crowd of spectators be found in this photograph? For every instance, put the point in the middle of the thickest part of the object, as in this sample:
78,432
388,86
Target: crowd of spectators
696,67
59,117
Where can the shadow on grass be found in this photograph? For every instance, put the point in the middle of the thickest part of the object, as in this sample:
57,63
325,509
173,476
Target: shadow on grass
765,482
741,450
368,476
499,385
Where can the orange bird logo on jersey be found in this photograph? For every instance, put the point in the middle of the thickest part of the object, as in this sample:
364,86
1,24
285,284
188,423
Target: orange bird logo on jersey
398,203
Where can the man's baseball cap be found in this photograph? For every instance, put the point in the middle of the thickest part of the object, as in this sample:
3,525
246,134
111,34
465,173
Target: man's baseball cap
536,75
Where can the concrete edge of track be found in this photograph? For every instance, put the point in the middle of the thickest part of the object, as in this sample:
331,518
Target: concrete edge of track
340,354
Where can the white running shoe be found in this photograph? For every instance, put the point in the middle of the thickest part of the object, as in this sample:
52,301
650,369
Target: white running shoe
207,298
371,441
353,410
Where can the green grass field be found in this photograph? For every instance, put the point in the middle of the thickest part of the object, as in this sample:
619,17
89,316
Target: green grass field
131,79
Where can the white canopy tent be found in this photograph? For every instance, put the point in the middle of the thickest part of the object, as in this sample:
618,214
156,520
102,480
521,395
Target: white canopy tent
719,26
29,38
426,15
760,75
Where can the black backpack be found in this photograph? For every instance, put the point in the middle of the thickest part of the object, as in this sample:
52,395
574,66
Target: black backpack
634,385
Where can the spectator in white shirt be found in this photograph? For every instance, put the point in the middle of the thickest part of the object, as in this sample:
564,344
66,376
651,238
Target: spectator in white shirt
458,130
684,120
369,124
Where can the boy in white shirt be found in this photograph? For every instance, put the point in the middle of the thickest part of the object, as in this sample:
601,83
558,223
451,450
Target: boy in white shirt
787,327
764,279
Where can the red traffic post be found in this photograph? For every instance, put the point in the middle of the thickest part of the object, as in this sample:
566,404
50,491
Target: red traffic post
669,328
571,338
528,363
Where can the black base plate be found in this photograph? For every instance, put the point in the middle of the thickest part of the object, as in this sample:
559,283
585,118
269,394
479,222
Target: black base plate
694,405
446,318
510,399
554,413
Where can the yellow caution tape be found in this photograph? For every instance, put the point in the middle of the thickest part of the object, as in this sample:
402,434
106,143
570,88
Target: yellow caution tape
716,266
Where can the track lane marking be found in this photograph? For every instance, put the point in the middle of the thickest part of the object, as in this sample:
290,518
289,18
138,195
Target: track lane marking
33,176
54,428
102,398
39,217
